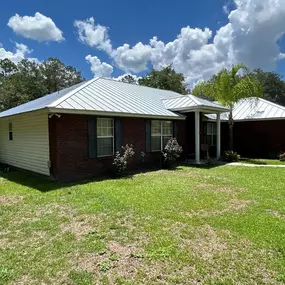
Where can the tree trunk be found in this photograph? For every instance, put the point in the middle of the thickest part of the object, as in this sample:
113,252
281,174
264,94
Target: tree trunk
231,131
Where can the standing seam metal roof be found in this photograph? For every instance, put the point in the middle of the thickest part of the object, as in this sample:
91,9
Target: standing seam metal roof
104,95
254,109
190,101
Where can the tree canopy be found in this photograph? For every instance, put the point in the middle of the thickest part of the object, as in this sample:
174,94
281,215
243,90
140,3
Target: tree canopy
29,80
228,87
272,84
128,79
166,79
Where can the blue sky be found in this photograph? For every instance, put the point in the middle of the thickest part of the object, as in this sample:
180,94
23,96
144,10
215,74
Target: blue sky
238,31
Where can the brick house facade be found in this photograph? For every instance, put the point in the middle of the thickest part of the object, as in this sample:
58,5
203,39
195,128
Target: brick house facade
69,146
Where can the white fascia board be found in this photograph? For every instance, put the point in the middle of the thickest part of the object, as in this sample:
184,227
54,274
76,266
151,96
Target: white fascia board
113,114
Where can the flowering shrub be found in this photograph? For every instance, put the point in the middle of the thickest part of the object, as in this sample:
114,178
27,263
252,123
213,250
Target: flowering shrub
172,150
120,162
231,156
282,156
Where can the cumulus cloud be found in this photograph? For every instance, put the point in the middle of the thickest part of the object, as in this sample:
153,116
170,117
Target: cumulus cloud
132,59
251,37
37,27
93,35
99,68
21,52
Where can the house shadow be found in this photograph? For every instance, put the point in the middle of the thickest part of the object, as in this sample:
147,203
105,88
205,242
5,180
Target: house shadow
44,184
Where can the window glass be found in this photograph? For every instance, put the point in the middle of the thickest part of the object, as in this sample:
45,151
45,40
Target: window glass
10,131
161,132
105,136
211,134
156,128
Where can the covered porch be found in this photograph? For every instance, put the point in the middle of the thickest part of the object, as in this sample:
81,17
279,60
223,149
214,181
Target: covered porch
194,108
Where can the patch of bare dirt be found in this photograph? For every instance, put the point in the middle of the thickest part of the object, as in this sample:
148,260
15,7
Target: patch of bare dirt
234,205
224,257
83,224
59,209
206,243
10,200
276,214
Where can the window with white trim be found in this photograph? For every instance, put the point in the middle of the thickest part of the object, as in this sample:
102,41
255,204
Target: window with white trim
161,132
10,131
211,134
105,137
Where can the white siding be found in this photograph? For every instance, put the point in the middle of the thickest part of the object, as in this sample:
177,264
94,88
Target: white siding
29,148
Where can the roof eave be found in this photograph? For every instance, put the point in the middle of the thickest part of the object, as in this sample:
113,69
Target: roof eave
200,108
115,114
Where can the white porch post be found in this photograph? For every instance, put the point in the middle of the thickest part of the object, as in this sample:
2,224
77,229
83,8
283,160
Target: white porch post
197,137
218,135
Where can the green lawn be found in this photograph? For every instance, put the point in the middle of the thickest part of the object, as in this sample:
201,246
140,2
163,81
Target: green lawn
263,161
223,225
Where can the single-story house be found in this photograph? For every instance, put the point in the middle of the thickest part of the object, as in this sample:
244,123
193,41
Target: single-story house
74,133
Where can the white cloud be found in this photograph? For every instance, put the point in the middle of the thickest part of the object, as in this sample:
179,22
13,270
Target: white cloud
93,35
21,52
251,37
37,27
132,59
119,78
99,68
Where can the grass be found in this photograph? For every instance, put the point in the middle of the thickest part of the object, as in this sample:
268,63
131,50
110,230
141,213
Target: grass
222,225
263,161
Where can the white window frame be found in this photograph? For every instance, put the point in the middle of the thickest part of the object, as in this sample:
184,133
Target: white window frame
161,134
104,137
211,133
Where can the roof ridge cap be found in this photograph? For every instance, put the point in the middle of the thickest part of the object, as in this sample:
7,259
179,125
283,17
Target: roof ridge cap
194,98
271,103
112,79
69,94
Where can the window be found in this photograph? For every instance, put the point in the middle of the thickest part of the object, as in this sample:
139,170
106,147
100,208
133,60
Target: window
10,132
161,132
211,134
105,136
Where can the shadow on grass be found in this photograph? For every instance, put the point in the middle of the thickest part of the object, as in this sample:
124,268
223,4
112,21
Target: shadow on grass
44,184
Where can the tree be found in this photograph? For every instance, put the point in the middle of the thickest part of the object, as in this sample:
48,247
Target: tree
29,80
128,79
272,84
228,87
8,66
166,79
59,76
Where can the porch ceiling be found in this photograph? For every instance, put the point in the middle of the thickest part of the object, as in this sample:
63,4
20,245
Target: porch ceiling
190,103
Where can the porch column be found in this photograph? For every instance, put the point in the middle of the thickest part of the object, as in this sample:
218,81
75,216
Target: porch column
197,137
218,136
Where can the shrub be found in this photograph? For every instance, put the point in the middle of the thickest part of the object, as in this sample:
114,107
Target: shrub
282,156
172,150
231,156
120,162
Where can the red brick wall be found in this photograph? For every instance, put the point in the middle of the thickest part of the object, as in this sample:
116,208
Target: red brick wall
69,146
264,139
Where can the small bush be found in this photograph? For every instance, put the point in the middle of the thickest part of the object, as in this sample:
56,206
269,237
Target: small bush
282,156
172,150
120,162
231,156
